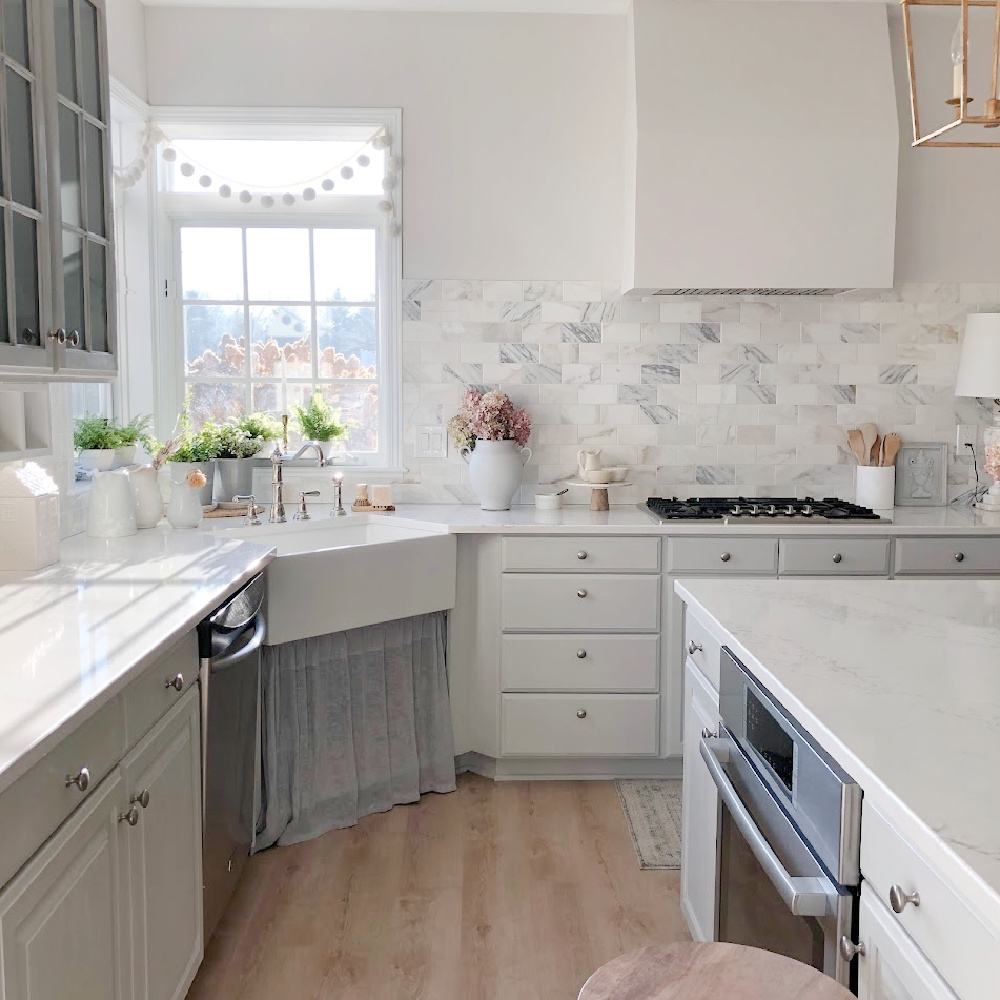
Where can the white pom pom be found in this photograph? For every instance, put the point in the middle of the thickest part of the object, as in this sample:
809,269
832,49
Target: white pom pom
392,164
170,154
226,191
363,161
205,181
267,201
309,194
395,229
328,185
385,207
387,182
380,142
288,199
347,173
187,169
246,197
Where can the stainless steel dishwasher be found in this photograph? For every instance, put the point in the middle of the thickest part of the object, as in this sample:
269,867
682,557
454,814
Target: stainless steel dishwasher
229,642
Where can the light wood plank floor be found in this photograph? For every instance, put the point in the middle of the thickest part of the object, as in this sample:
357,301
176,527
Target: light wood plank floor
499,891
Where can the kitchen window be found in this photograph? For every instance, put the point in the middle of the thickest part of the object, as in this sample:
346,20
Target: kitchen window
284,285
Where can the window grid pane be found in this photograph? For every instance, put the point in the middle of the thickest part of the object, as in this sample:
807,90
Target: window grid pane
297,346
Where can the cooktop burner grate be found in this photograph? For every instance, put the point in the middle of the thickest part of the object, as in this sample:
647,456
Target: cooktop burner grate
758,508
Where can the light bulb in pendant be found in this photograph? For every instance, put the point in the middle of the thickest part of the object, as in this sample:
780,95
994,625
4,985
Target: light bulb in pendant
957,60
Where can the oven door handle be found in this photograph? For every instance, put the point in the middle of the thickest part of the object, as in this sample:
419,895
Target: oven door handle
805,896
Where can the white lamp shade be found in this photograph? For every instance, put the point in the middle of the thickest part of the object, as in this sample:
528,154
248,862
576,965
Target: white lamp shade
979,363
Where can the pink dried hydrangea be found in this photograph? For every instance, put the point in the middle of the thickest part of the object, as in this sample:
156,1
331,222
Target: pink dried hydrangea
992,463
489,416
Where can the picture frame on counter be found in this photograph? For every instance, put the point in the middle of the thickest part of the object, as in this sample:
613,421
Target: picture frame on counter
922,474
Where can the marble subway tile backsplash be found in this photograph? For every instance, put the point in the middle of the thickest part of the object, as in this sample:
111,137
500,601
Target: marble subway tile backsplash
708,395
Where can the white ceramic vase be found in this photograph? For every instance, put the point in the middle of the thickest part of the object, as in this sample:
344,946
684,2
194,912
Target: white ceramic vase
184,509
179,471
112,510
147,496
495,469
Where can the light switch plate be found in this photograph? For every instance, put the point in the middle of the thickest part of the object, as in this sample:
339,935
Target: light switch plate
431,441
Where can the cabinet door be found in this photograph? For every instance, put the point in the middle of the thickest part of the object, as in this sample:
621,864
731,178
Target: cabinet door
164,854
64,919
700,818
892,966
24,300
78,144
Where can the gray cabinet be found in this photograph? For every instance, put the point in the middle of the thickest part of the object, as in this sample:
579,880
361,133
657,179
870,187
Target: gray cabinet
56,268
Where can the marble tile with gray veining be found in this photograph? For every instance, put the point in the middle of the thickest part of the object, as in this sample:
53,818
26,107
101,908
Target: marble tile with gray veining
715,475
421,289
536,374
898,375
678,354
520,312
600,312
462,290
766,394
836,394
659,374
511,354
694,333
466,374
542,291
589,333
637,394
657,414
739,374
758,354
859,333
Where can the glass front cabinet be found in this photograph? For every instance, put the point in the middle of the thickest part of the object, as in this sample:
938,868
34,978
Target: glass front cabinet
56,265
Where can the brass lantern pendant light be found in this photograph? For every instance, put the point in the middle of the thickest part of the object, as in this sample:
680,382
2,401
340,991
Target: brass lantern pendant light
965,128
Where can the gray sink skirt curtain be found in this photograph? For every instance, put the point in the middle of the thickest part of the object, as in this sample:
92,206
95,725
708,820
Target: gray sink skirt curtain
353,723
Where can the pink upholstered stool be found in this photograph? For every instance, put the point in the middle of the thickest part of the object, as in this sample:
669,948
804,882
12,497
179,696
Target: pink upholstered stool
692,971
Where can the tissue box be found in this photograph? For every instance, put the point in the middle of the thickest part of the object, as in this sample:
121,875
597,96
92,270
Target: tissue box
29,532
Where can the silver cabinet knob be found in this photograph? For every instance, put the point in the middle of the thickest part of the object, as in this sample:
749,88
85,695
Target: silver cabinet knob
581,554
725,557
141,799
81,780
581,654
694,647
57,335
838,558
581,593
177,683
73,338
131,817
708,734
581,713
848,949
959,556
899,897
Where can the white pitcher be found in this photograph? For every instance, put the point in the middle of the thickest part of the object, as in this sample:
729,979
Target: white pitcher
112,509
588,461
495,469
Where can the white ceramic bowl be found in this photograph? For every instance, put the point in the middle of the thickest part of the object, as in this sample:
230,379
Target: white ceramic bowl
548,501
599,476
619,473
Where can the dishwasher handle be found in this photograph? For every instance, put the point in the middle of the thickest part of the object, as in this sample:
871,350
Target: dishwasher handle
805,896
238,650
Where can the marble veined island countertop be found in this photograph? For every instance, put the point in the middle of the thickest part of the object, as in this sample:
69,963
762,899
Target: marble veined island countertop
899,681
74,634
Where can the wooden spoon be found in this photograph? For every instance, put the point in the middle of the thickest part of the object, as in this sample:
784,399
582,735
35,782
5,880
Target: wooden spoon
890,448
876,455
869,432
857,446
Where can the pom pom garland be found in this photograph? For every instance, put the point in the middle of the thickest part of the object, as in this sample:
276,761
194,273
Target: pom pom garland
347,173
328,185
205,181
385,207
246,197
187,169
363,161
226,191
169,154
309,194
288,199
267,201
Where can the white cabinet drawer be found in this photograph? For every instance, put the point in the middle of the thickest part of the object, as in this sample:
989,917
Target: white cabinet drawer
564,602
37,803
153,693
621,663
571,554
947,556
587,725
702,647
720,556
833,556
958,944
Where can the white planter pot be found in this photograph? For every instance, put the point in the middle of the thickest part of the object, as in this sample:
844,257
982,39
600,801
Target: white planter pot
102,459
125,456
235,478
495,469
178,475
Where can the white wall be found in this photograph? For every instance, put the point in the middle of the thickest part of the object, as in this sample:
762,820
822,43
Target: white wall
127,43
513,124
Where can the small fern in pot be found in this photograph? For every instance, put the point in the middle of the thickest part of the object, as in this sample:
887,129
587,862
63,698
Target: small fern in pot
196,450
96,439
318,421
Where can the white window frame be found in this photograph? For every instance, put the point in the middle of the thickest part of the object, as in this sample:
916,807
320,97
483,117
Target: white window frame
176,210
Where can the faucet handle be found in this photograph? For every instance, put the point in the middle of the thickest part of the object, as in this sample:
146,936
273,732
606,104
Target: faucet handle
251,501
302,514
276,456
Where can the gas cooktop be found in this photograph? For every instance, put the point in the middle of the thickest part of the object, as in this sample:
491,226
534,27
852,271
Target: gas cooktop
782,510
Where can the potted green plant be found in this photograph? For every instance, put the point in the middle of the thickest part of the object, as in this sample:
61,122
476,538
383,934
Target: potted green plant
238,443
196,450
318,421
129,435
96,440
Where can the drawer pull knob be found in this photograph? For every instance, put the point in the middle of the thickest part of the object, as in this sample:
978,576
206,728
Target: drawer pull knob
898,898
581,713
581,593
695,647
708,734
141,799
581,554
848,949
177,683
81,780
131,817
726,557
959,556
581,654
838,558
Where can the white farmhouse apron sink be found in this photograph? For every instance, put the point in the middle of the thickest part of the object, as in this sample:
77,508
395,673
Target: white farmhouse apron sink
333,574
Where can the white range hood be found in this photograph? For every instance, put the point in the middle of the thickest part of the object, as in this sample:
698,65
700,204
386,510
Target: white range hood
763,148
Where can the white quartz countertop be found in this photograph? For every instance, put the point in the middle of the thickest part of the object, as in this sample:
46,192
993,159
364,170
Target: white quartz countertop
75,634
900,682
631,520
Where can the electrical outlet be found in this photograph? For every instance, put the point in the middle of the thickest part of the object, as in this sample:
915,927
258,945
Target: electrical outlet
430,442
965,434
